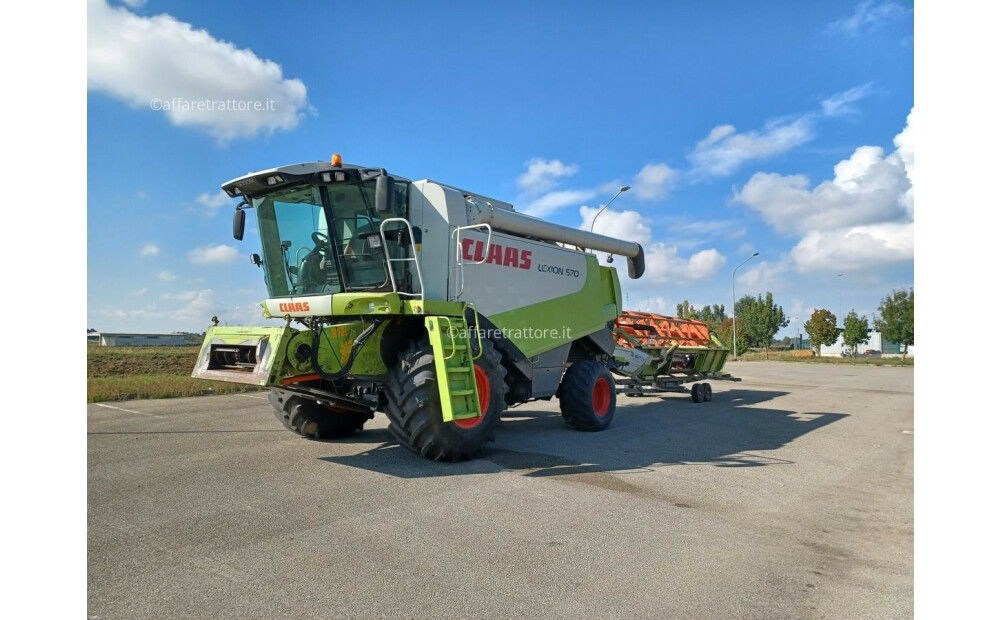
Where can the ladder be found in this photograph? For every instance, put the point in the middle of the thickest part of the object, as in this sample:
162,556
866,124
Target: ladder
454,364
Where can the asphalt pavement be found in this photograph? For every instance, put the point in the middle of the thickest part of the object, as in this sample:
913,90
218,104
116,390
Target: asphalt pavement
789,495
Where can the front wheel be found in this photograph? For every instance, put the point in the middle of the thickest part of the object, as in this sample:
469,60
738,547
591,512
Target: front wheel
414,405
587,396
306,417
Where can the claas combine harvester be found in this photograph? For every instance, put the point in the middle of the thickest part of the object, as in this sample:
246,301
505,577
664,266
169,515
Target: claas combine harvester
434,305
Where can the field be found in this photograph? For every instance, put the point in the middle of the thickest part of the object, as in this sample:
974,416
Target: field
796,356
126,373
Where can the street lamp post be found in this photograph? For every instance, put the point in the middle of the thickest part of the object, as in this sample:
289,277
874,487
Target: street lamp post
840,306
735,355
621,190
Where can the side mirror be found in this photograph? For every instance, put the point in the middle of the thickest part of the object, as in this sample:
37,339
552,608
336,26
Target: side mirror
255,259
239,222
385,194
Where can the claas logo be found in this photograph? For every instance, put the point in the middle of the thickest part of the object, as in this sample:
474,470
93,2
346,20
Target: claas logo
472,250
298,306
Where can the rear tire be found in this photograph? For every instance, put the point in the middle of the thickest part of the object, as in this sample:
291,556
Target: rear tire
306,417
708,391
414,405
587,396
698,392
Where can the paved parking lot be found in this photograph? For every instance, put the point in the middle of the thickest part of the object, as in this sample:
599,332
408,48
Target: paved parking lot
790,495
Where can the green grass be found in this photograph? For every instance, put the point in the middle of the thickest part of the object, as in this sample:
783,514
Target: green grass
125,373
786,356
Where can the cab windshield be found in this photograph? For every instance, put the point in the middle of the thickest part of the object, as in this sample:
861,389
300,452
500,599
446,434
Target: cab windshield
325,239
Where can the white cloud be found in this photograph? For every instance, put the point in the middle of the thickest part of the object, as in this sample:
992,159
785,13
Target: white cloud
542,175
135,4
201,305
628,225
842,104
141,195
854,248
904,150
652,182
214,202
159,62
724,150
553,201
665,265
141,291
213,254
150,249
867,16
862,217
761,276
166,276
149,312
182,296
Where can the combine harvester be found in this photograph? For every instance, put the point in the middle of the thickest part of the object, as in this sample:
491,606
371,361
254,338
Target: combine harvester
434,305
658,354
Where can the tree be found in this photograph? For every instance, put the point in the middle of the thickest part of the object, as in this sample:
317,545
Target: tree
822,328
759,319
895,318
855,331
725,333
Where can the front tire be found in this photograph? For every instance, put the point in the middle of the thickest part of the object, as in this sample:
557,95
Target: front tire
587,396
306,417
414,405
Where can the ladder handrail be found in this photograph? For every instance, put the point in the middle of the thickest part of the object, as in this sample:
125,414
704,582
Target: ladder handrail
479,333
389,260
460,260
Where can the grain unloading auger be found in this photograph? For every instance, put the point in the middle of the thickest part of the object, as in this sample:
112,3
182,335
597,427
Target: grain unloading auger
434,305
658,354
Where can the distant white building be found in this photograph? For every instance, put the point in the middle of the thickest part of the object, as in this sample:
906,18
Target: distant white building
142,340
875,343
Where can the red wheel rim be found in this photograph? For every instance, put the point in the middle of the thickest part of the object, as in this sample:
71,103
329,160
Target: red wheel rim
483,389
602,397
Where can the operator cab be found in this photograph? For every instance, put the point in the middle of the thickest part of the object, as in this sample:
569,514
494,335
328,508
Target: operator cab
320,227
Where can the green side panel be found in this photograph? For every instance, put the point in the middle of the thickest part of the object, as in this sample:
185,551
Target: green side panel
552,323
454,367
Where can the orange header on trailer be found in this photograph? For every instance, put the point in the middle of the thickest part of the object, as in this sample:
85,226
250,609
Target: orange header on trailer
656,330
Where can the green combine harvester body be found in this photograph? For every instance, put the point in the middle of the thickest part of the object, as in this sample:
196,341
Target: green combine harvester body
433,305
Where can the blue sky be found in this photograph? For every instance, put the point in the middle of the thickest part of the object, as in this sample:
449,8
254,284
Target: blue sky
783,128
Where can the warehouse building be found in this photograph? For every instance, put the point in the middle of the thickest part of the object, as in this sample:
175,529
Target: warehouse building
876,344
142,340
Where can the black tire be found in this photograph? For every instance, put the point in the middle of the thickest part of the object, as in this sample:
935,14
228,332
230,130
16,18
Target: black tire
414,405
587,396
308,418
708,391
698,392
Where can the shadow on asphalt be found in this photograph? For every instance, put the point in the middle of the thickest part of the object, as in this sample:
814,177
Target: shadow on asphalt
662,431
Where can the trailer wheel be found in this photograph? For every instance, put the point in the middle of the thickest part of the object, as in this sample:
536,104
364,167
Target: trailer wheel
587,396
414,405
698,392
708,391
306,417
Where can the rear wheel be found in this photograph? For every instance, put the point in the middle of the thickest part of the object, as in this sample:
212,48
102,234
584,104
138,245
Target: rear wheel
414,405
306,417
698,392
708,391
587,396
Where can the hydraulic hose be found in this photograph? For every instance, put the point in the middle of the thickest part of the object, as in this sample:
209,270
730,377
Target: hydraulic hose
355,347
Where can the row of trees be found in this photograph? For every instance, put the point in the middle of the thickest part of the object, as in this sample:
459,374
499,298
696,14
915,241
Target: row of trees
894,321
760,319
